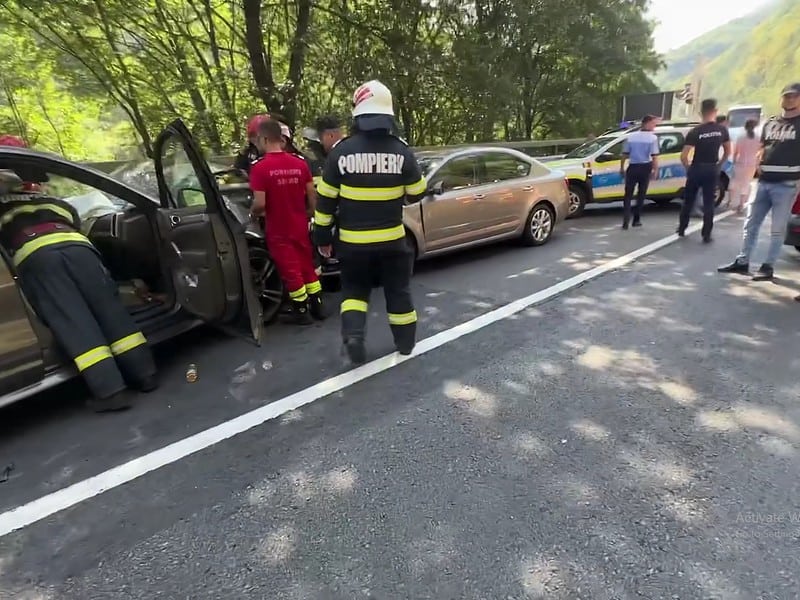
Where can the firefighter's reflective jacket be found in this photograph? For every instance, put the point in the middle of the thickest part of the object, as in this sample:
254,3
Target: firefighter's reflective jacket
29,222
365,183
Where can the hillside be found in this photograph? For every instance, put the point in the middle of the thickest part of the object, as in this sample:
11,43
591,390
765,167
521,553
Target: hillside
749,59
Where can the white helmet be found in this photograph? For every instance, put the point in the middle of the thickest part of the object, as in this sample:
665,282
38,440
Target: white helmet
372,98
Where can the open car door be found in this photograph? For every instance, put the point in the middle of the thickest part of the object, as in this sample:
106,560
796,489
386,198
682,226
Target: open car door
203,243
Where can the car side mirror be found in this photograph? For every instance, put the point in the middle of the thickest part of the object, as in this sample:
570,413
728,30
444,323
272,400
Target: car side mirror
436,189
191,197
607,157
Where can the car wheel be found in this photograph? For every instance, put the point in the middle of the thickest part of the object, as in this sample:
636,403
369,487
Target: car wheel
266,282
577,200
539,226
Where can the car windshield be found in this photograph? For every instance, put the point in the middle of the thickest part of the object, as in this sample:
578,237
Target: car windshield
141,176
588,148
737,118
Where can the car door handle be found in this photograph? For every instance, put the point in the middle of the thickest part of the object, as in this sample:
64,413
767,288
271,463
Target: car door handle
527,188
479,196
174,219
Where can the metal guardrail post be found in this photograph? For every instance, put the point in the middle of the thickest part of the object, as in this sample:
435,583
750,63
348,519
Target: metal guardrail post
554,146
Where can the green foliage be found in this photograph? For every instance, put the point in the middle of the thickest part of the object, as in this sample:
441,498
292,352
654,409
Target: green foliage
459,71
749,59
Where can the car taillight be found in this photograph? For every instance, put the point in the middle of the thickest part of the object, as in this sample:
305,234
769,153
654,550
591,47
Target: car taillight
796,206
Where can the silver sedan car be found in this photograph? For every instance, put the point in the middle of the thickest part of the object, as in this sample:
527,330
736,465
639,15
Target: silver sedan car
481,195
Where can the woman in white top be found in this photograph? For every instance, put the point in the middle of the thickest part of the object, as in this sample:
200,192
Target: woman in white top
745,162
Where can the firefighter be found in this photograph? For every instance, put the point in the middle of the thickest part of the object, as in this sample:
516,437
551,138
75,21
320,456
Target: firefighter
63,278
250,153
367,179
329,132
283,191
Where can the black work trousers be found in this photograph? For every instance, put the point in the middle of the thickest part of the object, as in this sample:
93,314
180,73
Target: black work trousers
637,177
363,269
705,178
75,296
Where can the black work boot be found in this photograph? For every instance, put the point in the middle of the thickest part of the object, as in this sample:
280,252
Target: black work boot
316,307
300,313
738,267
356,350
146,385
405,349
624,224
764,273
636,222
118,402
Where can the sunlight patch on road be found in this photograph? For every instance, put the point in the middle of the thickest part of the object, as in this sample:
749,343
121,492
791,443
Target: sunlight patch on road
576,492
597,357
740,338
431,555
766,420
340,480
261,493
278,546
530,445
714,585
476,401
591,431
685,510
532,271
551,369
670,287
778,447
664,472
678,392
772,294
541,576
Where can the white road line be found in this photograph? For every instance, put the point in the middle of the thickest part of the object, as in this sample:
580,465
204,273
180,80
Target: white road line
67,497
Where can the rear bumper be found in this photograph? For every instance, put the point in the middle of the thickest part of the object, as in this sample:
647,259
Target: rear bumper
793,231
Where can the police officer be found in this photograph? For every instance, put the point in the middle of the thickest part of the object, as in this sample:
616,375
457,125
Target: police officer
704,171
368,177
65,282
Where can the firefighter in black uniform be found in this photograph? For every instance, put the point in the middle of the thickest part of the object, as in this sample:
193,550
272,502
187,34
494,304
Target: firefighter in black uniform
71,291
367,179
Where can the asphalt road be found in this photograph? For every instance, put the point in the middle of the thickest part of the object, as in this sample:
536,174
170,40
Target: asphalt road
634,437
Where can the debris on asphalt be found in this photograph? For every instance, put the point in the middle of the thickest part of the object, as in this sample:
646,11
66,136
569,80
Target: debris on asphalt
191,373
244,373
6,472
266,365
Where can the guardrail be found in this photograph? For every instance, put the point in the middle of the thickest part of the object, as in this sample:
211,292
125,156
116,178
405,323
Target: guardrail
537,148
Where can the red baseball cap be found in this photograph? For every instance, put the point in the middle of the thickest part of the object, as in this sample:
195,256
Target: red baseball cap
13,140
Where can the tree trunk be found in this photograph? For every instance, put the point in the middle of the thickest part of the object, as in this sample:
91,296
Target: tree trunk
262,69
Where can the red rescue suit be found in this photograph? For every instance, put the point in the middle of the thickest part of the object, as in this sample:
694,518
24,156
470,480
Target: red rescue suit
283,178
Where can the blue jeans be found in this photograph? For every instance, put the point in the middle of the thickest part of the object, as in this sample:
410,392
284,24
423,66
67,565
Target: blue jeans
777,197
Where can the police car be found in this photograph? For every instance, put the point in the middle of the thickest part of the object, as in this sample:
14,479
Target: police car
594,176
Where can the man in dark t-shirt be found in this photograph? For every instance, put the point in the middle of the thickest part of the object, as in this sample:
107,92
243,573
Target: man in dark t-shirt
778,181
703,173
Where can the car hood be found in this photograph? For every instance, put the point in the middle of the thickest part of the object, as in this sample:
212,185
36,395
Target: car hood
568,165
